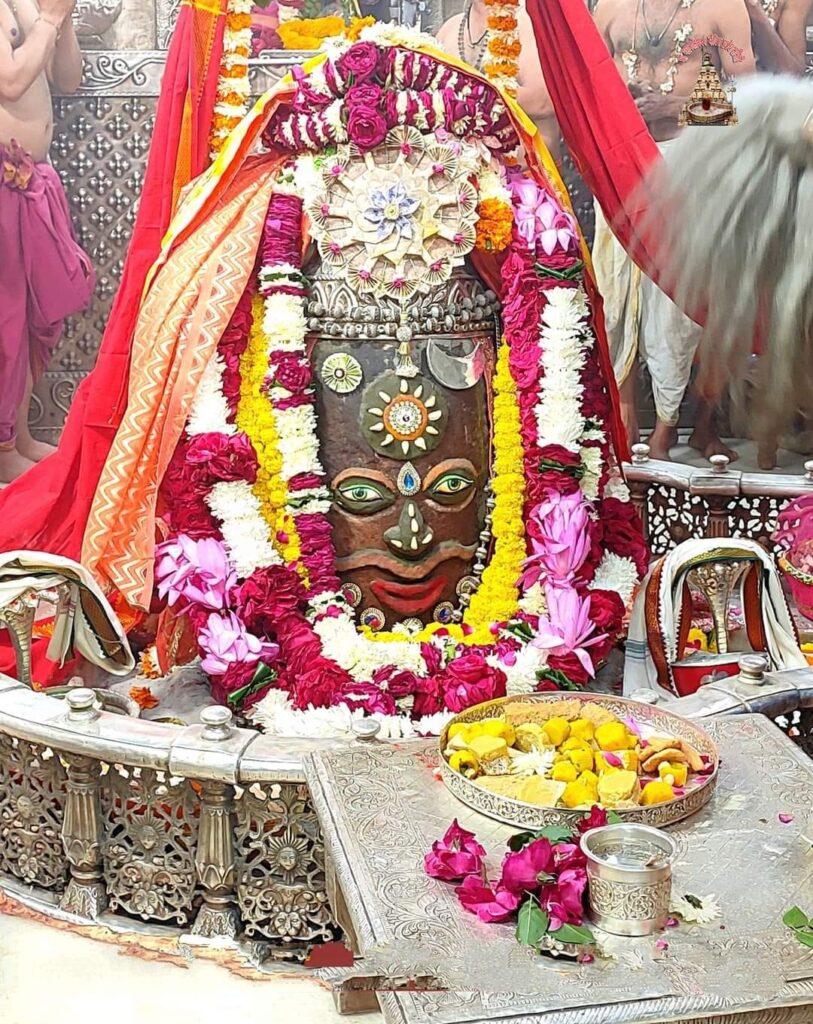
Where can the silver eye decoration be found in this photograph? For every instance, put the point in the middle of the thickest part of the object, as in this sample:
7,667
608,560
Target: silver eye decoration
456,363
341,373
409,481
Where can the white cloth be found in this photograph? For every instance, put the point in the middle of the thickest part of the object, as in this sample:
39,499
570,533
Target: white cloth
642,320
639,668
87,626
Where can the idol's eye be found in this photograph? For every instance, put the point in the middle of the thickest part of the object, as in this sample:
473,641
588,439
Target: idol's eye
451,488
362,496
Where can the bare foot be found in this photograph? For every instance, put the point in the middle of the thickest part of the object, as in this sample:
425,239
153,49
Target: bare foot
710,443
766,455
661,440
36,451
12,465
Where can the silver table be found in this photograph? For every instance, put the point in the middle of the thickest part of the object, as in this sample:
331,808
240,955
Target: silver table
381,807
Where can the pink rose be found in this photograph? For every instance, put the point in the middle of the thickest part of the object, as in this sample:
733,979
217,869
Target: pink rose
292,373
359,63
527,869
456,856
366,94
488,904
596,818
469,680
369,698
366,127
563,899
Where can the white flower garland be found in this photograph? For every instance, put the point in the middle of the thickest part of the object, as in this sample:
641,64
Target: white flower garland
617,573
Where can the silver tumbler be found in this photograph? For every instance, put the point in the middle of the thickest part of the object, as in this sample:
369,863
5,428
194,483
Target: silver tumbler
629,870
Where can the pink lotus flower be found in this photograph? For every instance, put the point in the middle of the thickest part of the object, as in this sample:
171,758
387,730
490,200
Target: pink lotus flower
195,571
521,871
488,904
562,900
567,629
225,641
559,530
456,856
539,219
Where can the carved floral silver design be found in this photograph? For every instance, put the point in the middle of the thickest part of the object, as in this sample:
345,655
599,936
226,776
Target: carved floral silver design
630,902
32,802
151,826
280,867
397,220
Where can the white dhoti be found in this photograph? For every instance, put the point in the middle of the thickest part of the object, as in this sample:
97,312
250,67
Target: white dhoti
642,320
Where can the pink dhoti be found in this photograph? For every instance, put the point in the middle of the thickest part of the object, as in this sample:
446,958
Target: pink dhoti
44,276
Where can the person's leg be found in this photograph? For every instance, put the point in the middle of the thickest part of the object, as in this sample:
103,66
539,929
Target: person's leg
627,393
705,436
27,445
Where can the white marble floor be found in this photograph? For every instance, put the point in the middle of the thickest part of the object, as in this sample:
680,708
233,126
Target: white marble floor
49,976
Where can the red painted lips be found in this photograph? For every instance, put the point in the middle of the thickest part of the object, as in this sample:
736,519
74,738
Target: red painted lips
409,598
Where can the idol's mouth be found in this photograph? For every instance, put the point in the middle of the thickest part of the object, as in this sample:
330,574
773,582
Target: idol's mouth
375,558
409,598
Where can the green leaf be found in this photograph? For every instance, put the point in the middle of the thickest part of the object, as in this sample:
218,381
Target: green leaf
573,933
555,834
613,818
558,677
796,918
806,938
520,840
264,675
532,923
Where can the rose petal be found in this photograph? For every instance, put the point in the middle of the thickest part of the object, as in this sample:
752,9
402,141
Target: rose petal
661,944
786,819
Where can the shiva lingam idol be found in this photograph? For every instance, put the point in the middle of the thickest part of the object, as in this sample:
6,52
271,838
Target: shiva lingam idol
405,399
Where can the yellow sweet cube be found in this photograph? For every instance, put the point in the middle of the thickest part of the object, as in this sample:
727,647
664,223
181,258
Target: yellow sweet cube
530,737
674,774
564,771
498,727
582,729
489,748
581,757
557,730
458,729
584,791
656,793
616,787
612,736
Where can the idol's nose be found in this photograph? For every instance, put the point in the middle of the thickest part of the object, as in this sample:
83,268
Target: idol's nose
411,538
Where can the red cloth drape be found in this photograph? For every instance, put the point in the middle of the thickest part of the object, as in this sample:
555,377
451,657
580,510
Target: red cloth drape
606,135
47,508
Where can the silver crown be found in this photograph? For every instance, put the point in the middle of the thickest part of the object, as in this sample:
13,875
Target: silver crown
460,306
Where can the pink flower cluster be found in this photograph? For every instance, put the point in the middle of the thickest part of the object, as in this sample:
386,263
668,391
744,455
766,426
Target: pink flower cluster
546,228
380,88
546,870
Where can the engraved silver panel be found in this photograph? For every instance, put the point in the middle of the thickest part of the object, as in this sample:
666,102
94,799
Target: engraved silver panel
381,808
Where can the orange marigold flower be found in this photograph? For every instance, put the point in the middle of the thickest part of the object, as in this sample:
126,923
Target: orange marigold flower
494,226
501,22
238,21
502,3
509,68
144,697
503,48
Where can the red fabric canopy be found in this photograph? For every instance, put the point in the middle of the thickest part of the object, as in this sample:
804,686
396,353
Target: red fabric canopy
47,508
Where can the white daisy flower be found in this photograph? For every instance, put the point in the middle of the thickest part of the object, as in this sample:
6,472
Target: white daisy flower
694,909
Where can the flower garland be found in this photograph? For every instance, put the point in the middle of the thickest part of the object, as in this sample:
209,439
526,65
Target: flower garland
233,86
503,44
271,612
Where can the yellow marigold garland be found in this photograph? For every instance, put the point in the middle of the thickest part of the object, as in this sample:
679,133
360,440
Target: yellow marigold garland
255,417
497,598
310,33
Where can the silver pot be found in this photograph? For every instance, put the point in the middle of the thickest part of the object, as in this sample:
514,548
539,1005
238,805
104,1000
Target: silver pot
629,871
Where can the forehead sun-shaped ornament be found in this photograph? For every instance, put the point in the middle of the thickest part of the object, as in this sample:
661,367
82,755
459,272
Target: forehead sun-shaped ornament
402,419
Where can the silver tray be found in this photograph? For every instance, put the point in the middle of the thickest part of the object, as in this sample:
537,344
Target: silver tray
516,812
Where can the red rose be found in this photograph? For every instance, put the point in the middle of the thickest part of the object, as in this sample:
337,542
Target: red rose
319,686
367,94
570,666
292,373
215,457
266,596
399,683
359,63
623,532
469,680
237,675
370,698
193,519
606,611
366,127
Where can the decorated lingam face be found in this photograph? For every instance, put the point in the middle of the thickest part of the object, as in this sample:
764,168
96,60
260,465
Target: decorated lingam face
407,461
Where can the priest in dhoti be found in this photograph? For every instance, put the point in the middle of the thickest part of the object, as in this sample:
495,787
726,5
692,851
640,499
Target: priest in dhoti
642,322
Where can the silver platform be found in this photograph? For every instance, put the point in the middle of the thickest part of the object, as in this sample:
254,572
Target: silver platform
381,807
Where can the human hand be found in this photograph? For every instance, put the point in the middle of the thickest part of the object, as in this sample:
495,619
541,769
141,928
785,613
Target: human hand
56,11
656,107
